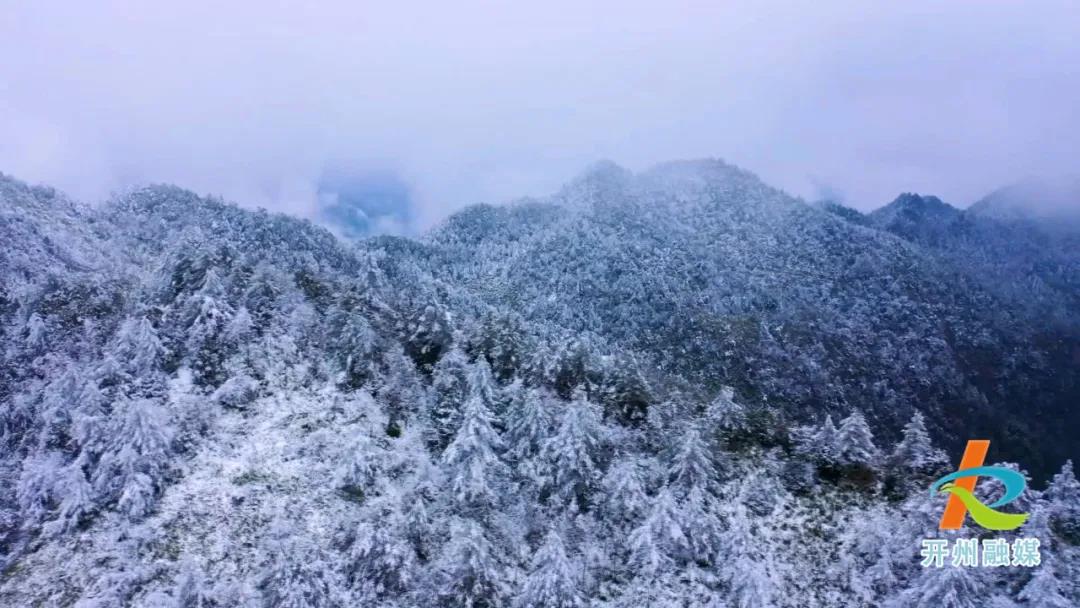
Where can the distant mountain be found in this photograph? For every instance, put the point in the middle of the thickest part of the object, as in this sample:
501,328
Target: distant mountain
358,204
1033,199
915,218
725,280
1031,261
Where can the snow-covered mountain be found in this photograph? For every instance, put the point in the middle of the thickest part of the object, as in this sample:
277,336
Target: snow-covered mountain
620,395
723,280
1033,199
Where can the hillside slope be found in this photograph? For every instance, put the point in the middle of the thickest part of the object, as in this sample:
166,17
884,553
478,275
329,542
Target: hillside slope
617,397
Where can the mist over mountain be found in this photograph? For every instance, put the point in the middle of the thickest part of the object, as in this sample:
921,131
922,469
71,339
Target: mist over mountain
678,387
1033,199
361,204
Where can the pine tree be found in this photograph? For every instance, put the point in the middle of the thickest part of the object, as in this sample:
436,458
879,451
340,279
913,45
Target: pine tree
418,507
817,443
915,451
210,315
380,562
399,389
570,454
138,347
55,410
553,581
946,587
353,342
700,526
725,415
528,426
1064,489
471,462
1044,590
748,566
76,498
1063,496
37,491
261,297
36,335
624,392
482,384
470,574
450,387
657,538
296,574
240,327
364,468
855,442
625,500
692,465
133,463
500,341
90,422
427,336
569,368
191,588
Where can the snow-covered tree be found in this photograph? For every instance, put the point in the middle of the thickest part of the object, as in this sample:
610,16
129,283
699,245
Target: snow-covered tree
1063,498
36,333
354,343
692,464
819,442
725,415
855,442
427,335
1044,589
501,341
916,452
571,453
138,346
37,490
529,425
240,327
450,387
296,574
625,500
364,467
654,542
553,580
471,460
624,392
470,575
701,526
209,314
191,589
133,463
748,566
946,587
76,501
380,561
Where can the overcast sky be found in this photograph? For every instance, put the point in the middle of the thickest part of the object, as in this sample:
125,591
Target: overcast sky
483,101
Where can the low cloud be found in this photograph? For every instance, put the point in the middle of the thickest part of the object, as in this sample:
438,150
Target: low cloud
482,102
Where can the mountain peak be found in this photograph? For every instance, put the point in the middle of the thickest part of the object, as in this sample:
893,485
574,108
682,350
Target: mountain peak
911,214
1032,198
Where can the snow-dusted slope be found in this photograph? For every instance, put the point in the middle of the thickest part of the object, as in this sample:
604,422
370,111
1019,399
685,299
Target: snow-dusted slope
205,406
728,281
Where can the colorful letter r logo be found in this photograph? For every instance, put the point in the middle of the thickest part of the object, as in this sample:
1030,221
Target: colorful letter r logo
961,489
